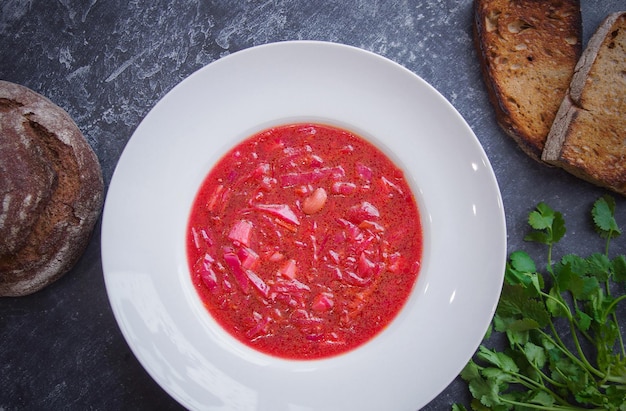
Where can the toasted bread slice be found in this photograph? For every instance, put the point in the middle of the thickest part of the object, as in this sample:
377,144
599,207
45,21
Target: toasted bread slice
528,50
588,137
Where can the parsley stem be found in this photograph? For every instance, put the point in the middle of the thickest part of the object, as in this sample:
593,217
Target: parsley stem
541,374
540,387
570,319
613,304
609,311
608,242
585,365
549,267
559,301
582,361
546,407
619,335
582,355
580,329
530,383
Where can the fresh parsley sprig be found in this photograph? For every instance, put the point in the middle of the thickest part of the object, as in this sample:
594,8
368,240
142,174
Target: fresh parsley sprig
564,348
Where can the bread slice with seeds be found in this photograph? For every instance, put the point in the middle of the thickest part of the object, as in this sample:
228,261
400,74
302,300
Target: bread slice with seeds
588,137
528,50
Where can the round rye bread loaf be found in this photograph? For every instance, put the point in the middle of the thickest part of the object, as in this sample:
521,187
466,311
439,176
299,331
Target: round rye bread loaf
51,191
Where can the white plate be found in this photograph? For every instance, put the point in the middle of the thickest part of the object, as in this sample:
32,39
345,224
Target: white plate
161,168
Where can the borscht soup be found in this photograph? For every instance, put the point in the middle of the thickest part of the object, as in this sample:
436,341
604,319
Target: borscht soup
304,241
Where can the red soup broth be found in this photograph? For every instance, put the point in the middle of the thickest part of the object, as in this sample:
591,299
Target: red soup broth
304,241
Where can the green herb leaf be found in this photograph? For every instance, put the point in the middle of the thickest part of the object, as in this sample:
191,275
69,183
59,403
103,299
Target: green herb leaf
486,391
616,397
535,354
498,376
542,398
555,304
499,359
599,266
518,302
603,213
619,268
521,270
521,261
588,394
542,218
516,330
549,225
584,320
568,279
470,371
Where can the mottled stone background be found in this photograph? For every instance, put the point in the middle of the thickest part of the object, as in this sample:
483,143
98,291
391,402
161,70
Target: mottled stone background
107,62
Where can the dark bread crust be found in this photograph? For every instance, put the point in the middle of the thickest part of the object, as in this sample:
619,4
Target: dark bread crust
588,137
51,191
527,51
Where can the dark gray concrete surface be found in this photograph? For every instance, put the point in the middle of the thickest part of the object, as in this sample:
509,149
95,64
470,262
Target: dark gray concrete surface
107,62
